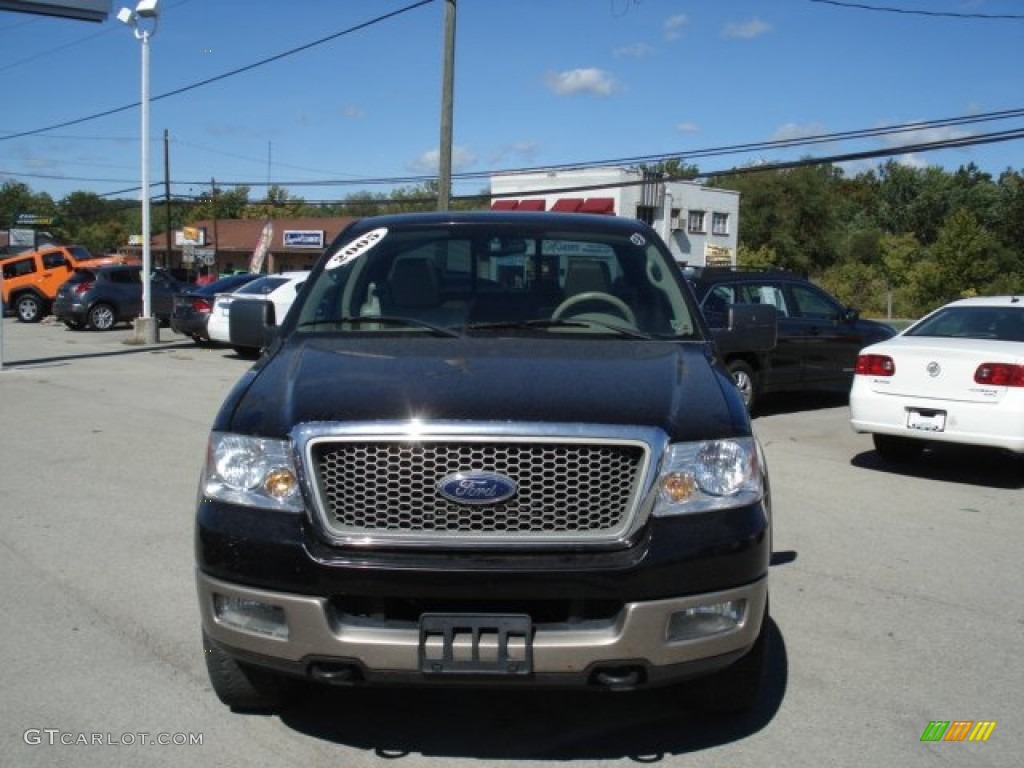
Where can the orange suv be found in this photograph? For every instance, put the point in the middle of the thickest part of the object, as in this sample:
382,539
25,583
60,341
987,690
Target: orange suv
31,279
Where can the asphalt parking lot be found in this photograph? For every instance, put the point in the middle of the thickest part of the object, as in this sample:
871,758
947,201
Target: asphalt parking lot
897,599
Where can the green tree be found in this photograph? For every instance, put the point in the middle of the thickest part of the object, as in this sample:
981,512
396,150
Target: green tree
17,198
675,169
218,203
970,257
792,211
278,203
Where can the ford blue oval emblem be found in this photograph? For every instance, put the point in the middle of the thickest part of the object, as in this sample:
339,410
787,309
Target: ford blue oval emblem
477,487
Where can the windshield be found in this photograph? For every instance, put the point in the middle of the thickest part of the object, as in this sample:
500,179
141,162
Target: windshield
262,285
499,277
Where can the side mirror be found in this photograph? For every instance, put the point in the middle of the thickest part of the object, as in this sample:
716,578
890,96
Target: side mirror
252,323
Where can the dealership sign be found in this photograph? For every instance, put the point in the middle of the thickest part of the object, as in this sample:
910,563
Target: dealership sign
303,238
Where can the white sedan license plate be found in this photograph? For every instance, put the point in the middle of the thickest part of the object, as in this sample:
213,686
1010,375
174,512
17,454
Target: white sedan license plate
926,421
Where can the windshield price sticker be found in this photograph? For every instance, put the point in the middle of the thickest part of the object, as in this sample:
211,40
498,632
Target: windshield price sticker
356,248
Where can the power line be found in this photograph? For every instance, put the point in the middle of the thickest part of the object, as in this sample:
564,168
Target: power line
914,12
230,73
949,143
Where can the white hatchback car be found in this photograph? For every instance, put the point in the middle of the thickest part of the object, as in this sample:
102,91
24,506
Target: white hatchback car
955,376
280,289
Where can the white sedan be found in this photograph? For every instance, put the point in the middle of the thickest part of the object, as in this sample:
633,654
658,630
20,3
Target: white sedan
955,376
280,289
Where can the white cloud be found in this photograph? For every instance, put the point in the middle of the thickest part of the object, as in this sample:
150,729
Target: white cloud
791,131
747,30
517,152
634,51
573,81
923,136
352,112
31,160
430,161
687,127
673,26
920,136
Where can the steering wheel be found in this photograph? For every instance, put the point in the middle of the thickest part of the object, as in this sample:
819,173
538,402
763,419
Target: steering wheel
618,304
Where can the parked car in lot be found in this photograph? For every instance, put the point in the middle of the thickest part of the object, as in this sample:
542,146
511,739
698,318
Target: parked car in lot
101,297
817,337
32,278
486,449
955,376
280,289
191,310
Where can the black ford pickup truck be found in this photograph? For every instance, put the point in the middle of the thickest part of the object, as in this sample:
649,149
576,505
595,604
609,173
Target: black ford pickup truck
485,449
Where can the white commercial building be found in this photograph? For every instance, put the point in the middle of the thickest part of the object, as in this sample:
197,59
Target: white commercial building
698,223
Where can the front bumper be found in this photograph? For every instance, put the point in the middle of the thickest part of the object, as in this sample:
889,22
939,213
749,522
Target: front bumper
354,616
632,648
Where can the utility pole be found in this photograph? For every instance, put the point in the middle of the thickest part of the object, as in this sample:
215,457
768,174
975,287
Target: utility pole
213,206
167,200
447,88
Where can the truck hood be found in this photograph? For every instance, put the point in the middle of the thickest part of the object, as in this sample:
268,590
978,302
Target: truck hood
650,383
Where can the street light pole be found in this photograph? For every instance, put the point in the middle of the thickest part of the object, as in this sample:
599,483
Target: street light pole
147,256
146,326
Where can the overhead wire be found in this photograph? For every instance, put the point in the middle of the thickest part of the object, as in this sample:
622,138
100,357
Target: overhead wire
918,12
651,159
223,75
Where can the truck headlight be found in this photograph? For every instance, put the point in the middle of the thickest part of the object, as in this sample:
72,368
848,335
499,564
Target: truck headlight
253,471
711,474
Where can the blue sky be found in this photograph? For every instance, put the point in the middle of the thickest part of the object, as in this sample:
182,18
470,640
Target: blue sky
537,83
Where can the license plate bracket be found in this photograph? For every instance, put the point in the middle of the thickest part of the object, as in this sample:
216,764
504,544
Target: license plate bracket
926,420
476,644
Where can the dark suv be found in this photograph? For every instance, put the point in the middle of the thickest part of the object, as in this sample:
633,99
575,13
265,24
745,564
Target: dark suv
818,337
101,297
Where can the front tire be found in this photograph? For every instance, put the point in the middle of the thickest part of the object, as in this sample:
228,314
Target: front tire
102,317
746,382
242,687
29,308
897,449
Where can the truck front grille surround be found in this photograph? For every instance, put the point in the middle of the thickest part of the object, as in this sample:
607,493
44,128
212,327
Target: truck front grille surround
384,487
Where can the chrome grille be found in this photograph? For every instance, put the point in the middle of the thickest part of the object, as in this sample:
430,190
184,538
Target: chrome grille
567,490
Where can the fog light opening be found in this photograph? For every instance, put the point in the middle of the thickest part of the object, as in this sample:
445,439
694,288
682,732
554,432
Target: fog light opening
703,621
251,616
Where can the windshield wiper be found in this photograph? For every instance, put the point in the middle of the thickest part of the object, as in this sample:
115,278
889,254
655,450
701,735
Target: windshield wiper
502,325
410,322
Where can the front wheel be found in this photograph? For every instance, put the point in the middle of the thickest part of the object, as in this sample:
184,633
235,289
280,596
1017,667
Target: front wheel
746,382
29,308
102,317
242,687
